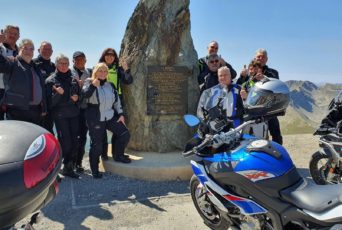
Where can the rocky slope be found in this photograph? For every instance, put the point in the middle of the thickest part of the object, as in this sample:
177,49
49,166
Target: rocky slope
308,106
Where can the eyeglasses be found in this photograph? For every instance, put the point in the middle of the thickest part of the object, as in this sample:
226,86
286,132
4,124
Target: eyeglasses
214,47
102,70
28,49
213,61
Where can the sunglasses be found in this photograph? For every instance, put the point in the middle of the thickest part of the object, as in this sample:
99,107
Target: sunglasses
214,61
28,49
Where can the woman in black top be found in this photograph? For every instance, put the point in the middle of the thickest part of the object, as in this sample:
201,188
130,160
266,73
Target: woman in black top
63,93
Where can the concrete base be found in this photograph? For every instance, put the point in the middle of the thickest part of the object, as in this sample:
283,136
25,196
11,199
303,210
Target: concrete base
151,166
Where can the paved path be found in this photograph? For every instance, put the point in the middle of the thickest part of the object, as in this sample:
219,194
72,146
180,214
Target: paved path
116,202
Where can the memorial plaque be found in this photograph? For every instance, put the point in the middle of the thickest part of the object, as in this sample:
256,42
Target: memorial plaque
167,90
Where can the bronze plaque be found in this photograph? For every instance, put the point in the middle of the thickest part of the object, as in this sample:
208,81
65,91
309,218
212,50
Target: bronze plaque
167,90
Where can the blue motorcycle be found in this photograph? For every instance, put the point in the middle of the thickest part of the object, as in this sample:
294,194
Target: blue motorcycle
242,182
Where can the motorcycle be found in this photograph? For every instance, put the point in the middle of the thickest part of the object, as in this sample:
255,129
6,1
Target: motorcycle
251,183
326,164
30,160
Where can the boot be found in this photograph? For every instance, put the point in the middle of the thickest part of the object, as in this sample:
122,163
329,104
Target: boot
122,159
79,169
69,171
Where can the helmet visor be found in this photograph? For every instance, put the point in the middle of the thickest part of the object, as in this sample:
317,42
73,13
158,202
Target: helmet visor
259,98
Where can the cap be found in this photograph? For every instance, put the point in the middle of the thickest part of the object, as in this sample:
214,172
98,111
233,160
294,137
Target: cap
78,54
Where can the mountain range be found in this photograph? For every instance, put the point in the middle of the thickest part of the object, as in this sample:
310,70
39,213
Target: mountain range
308,106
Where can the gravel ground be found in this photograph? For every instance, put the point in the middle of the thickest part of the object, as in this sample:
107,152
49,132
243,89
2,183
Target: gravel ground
116,202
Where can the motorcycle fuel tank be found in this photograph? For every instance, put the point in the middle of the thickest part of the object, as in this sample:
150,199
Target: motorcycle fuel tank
255,159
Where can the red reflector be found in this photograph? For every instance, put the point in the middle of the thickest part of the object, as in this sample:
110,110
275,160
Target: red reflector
36,169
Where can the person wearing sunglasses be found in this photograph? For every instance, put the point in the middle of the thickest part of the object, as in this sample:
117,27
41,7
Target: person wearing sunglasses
209,79
63,92
25,97
203,62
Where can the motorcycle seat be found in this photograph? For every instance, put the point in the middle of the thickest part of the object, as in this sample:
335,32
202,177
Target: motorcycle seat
312,197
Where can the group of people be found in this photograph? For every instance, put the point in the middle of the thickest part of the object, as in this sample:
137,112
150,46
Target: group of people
73,99
77,100
217,79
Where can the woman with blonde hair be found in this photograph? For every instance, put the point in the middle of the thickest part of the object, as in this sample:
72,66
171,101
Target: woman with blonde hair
118,75
104,112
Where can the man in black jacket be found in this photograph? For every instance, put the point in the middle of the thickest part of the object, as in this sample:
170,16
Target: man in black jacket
24,97
261,56
273,123
209,78
8,48
81,73
46,68
203,62
43,61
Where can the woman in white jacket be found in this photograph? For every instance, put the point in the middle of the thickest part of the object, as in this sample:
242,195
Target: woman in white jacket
103,103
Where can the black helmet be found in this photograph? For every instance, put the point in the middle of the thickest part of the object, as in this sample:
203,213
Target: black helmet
268,97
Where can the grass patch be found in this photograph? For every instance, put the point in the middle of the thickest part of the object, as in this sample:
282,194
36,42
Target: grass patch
295,126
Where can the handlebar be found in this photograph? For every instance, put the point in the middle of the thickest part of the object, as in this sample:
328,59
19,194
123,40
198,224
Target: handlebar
209,139
195,150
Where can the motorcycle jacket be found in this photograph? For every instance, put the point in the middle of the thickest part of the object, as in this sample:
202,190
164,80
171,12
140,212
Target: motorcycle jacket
24,86
229,96
62,106
105,97
335,113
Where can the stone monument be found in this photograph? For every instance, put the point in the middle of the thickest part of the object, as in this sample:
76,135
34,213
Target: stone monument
163,62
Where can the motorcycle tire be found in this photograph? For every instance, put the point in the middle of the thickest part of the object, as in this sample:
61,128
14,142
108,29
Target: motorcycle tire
213,220
319,174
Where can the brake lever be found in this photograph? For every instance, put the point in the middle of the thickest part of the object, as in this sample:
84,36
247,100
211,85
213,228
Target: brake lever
198,148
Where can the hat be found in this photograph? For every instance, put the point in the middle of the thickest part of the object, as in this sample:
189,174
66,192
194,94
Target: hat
78,54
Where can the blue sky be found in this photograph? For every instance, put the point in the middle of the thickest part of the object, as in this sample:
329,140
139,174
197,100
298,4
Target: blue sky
303,38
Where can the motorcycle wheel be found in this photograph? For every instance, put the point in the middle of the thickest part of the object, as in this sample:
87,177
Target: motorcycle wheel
205,208
319,168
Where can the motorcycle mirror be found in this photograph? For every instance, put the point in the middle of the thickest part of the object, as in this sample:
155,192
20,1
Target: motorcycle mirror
191,120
